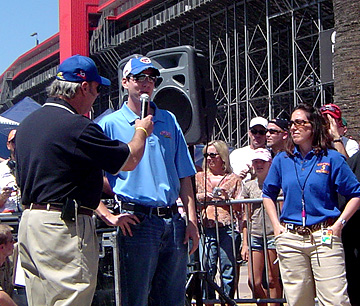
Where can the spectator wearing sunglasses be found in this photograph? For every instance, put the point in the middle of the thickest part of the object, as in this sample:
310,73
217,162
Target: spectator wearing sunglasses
337,129
307,234
240,159
277,133
218,182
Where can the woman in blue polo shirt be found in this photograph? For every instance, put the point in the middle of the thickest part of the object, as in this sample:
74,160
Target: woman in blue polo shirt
311,173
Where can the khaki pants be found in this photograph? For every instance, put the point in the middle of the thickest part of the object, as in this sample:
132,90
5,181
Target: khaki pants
310,270
60,262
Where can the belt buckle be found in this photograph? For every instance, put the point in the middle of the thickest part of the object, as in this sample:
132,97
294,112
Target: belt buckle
127,206
289,226
159,213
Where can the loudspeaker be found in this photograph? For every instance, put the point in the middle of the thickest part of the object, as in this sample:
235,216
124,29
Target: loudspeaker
184,89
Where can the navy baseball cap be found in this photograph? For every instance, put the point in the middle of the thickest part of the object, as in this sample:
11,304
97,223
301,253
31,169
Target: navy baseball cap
138,65
78,68
281,123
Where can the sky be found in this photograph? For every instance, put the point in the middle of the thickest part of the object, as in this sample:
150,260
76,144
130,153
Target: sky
20,19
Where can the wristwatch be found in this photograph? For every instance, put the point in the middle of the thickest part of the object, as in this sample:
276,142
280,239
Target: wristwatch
337,140
342,221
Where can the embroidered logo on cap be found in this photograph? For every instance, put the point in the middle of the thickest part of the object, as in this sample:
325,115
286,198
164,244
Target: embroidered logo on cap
60,76
82,74
145,60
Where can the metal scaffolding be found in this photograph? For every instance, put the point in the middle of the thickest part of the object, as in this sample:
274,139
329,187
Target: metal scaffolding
263,56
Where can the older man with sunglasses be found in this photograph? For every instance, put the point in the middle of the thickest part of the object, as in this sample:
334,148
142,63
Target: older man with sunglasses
240,159
60,158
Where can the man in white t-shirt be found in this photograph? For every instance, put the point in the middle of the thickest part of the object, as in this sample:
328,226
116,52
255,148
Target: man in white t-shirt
240,159
337,130
351,145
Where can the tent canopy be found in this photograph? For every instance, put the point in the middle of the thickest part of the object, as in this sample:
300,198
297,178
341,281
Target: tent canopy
21,109
11,118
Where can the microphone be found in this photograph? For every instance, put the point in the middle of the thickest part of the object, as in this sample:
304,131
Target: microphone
144,99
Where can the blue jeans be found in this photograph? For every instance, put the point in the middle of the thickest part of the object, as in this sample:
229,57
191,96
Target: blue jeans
224,250
153,262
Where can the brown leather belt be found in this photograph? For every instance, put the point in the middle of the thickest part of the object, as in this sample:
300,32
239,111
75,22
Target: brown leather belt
58,207
307,230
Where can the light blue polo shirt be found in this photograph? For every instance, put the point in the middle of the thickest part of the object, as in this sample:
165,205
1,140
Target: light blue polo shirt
321,176
155,181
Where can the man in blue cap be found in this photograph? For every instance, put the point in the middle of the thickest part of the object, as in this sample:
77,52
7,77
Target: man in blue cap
60,159
153,258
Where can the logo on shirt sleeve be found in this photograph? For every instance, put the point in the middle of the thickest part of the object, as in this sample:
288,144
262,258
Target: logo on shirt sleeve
323,168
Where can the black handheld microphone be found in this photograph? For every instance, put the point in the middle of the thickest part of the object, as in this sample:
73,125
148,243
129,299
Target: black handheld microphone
144,99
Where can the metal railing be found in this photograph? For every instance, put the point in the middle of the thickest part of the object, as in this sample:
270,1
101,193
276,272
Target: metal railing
238,300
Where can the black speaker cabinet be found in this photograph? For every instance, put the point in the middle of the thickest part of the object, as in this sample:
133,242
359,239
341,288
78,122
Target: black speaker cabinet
184,89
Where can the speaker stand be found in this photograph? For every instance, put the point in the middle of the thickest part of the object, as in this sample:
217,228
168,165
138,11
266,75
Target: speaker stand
194,288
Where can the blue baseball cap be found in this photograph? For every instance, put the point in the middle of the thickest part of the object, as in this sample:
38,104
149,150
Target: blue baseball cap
78,68
138,65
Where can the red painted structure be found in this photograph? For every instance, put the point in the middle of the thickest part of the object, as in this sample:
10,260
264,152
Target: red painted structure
77,18
74,26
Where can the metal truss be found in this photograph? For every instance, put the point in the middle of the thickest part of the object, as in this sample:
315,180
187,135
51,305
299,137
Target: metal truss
264,56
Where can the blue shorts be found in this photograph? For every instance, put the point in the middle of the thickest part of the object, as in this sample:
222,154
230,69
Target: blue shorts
257,243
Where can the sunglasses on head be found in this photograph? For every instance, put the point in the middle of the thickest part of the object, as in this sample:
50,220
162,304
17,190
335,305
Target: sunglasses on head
142,77
328,108
254,131
212,155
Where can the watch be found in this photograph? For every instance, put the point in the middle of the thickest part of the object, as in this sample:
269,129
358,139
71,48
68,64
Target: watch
342,221
337,140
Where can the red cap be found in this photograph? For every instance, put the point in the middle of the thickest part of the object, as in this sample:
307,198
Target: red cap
331,109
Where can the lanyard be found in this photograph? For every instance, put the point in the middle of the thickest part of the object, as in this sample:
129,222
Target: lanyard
303,211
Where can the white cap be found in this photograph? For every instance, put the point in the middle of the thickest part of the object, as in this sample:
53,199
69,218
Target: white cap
258,121
263,154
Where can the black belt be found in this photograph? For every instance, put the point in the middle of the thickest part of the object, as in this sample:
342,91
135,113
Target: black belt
58,207
163,212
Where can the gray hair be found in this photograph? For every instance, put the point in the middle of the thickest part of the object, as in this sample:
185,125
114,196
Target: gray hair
62,88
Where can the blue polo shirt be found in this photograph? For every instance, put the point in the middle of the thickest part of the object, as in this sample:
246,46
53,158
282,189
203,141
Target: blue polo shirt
155,181
321,178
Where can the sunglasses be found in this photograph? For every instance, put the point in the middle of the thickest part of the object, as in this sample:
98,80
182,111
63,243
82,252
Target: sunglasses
273,131
99,88
212,155
329,108
261,132
142,77
298,122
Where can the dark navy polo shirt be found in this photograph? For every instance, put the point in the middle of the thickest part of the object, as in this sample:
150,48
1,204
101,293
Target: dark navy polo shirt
60,154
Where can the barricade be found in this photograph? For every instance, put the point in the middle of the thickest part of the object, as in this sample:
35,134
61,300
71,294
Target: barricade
199,272
108,288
